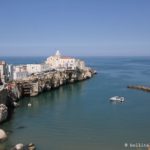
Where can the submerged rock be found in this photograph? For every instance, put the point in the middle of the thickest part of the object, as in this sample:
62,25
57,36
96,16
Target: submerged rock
21,127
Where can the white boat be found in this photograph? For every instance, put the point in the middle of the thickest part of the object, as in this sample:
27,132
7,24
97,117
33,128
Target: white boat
117,99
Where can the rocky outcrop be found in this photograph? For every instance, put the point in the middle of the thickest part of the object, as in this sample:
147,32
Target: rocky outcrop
3,112
36,84
21,146
6,105
3,135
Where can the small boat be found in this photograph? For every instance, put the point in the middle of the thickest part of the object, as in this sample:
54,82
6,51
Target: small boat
117,99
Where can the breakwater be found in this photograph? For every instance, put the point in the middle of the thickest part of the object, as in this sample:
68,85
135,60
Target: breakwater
139,87
36,84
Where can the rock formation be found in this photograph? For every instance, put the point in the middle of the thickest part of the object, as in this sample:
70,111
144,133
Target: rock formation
36,84
3,112
3,135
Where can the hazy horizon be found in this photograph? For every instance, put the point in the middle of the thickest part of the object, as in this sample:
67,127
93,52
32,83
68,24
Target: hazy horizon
76,28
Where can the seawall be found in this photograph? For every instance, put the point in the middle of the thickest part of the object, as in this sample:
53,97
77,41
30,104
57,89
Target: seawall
139,87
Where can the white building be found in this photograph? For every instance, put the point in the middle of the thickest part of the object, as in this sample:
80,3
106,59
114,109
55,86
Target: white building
45,67
37,68
33,68
20,72
80,64
10,72
58,61
23,71
3,71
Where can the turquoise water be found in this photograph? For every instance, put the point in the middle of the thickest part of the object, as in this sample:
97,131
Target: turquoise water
80,117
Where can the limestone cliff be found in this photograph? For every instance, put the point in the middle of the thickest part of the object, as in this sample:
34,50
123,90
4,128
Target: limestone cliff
36,84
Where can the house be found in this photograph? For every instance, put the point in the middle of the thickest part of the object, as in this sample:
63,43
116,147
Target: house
37,68
80,64
20,72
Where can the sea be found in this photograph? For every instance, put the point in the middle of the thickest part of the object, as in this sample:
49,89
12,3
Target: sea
80,116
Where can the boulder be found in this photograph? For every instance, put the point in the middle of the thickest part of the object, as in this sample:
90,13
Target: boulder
87,74
31,146
3,135
3,112
19,146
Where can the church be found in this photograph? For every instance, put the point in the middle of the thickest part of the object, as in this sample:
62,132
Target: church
59,61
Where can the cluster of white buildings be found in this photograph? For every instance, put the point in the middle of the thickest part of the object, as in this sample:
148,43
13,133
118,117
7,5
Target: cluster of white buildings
56,62
23,71
62,62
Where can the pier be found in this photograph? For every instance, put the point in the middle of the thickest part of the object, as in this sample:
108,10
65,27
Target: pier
139,87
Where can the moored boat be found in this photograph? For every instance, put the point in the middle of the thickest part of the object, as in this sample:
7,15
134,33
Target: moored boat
117,99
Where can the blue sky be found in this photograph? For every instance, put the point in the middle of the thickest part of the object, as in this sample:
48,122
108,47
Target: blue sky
75,27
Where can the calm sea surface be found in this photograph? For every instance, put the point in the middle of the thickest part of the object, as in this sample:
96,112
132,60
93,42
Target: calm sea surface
80,117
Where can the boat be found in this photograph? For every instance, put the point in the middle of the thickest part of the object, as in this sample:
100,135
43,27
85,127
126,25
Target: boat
117,99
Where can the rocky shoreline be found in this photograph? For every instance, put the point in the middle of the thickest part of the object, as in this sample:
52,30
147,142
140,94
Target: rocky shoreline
36,84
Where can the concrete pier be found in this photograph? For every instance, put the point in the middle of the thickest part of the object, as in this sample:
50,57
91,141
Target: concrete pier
139,87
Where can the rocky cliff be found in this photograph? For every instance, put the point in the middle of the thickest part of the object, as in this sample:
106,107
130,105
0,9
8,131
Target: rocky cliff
36,84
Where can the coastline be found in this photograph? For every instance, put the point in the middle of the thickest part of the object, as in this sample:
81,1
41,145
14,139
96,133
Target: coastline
33,85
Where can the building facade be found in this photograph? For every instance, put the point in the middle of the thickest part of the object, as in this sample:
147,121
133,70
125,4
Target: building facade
37,68
10,72
20,72
3,71
58,61
23,71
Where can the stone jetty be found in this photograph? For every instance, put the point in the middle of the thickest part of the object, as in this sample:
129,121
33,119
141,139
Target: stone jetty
36,84
139,87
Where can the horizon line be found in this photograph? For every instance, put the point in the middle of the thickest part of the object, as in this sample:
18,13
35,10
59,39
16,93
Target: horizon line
80,56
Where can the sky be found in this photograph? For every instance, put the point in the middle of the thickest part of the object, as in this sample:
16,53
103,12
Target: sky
75,27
